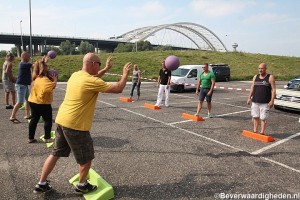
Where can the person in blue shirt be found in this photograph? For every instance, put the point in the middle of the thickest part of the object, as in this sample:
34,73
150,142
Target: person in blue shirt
22,86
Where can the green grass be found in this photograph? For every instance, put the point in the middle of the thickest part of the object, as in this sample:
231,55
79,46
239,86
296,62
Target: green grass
243,65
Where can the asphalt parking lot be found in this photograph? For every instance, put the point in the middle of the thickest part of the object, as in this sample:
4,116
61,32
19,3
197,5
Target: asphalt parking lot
156,154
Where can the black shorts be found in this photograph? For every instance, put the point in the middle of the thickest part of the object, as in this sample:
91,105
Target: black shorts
203,94
80,142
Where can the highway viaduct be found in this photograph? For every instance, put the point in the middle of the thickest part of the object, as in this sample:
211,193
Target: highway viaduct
39,42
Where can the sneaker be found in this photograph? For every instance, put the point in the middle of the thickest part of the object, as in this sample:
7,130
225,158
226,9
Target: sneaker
42,188
209,115
49,140
9,107
86,188
196,114
32,141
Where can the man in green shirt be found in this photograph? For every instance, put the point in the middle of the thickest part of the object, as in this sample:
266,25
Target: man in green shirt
207,82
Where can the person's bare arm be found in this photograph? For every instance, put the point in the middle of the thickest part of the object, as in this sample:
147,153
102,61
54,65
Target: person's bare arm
213,82
8,71
107,67
169,81
198,86
273,94
158,81
120,85
139,77
251,91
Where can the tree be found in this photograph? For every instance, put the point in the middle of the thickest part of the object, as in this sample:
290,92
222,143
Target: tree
56,49
144,46
124,47
3,53
139,46
85,47
14,51
163,48
67,48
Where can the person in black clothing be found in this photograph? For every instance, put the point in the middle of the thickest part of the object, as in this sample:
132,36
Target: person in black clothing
262,95
163,83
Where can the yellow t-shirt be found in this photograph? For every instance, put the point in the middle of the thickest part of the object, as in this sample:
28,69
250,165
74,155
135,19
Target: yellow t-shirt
42,91
77,109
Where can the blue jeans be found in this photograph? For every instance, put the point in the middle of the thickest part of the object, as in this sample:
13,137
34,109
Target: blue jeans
22,93
138,85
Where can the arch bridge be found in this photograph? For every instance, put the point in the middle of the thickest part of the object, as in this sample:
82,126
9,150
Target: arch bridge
200,36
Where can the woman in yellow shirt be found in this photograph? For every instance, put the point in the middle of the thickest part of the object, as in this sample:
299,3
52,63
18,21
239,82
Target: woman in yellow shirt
40,98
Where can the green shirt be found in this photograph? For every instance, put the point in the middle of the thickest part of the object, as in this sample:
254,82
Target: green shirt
206,79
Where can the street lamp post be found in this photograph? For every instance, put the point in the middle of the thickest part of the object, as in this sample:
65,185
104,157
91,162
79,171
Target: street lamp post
30,46
21,35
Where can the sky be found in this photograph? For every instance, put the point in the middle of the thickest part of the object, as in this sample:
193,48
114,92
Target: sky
258,26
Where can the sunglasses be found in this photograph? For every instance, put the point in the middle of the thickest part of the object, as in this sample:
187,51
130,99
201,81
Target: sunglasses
97,62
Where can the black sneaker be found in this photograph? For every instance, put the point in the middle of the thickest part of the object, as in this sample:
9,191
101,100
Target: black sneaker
42,188
86,188
9,107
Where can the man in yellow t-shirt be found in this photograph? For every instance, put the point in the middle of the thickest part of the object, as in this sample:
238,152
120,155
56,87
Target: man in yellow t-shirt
74,119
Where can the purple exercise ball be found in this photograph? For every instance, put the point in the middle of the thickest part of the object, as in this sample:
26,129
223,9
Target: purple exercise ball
52,72
172,62
51,54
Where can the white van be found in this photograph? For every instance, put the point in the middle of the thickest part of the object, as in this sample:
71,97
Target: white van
186,77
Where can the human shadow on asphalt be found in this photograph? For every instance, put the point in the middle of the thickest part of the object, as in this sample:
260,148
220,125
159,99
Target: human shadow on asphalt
109,142
54,195
187,187
233,154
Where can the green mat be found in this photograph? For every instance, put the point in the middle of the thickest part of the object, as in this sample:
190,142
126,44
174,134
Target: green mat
104,190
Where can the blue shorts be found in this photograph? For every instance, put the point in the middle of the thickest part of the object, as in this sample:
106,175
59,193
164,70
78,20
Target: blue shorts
22,93
203,94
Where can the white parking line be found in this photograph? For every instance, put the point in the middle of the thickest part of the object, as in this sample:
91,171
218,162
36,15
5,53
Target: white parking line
183,121
167,124
216,141
233,113
230,105
186,102
210,139
281,164
275,144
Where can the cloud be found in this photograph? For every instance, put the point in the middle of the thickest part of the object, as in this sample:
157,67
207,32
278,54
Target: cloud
219,8
149,9
264,18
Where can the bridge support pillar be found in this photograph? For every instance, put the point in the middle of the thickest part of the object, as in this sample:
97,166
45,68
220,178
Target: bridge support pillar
36,49
42,49
19,50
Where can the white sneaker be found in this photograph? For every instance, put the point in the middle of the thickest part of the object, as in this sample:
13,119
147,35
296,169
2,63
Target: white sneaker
197,114
209,115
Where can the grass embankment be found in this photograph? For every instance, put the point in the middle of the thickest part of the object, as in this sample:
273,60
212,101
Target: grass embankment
243,65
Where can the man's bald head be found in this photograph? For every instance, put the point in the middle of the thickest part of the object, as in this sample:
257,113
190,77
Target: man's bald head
263,65
90,57
262,69
91,63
